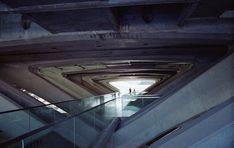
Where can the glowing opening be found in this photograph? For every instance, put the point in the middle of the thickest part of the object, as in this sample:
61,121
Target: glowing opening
136,86
56,108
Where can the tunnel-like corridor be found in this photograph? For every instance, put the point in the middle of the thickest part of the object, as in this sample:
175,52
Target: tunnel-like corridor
116,73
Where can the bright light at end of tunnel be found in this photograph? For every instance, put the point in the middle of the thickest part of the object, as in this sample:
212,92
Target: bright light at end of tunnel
138,84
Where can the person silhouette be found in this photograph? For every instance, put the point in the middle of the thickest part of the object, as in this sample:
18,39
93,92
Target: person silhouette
130,91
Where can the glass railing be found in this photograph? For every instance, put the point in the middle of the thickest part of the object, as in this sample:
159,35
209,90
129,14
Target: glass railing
91,101
17,122
83,128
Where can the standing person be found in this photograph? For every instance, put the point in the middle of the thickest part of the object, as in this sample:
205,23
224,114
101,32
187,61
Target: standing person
130,91
134,91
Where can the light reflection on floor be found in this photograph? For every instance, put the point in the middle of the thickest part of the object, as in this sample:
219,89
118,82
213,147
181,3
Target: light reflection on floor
123,106
138,85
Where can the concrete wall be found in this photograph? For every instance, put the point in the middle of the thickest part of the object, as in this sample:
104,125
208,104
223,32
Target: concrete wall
211,129
19,75
208,90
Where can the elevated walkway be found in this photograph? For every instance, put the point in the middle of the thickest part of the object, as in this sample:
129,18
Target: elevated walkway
76,123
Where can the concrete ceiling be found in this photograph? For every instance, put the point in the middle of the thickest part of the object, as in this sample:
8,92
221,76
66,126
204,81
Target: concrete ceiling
75,48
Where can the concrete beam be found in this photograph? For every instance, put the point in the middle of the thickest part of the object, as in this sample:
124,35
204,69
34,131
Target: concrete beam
55,76
157,54
137,35
87,5
18,75
17,96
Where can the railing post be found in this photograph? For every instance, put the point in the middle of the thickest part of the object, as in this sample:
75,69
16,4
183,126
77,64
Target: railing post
22,143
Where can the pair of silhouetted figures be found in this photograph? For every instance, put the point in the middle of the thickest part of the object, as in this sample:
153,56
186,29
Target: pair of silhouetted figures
130,91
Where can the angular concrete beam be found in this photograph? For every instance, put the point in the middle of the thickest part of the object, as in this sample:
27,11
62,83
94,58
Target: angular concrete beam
206,91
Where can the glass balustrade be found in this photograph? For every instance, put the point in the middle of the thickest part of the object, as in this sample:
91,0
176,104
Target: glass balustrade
17,122
80,126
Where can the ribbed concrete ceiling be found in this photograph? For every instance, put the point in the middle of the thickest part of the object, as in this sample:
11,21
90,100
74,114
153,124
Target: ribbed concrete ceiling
94,79
86,44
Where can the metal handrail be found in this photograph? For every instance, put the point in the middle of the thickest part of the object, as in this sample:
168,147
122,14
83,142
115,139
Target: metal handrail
11,141
33,107
107,133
